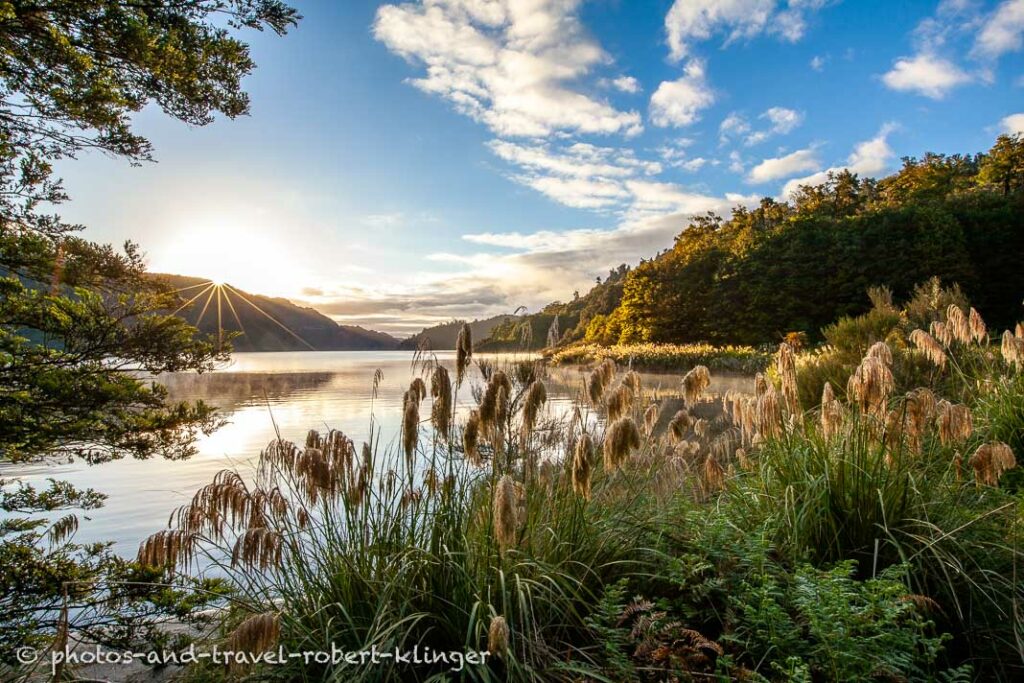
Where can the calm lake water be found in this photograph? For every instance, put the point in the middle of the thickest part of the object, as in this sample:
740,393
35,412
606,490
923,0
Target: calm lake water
302,391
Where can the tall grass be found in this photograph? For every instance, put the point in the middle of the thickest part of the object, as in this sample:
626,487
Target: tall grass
525,534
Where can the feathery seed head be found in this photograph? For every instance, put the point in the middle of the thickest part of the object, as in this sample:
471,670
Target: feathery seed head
536,397
679,426
760,385
785,363
990,461
955,422
471,438
506,512
619,402
1012,349
695,382
463,352
977,326
651,418
582,465
498,637
622,439
441,410
928,345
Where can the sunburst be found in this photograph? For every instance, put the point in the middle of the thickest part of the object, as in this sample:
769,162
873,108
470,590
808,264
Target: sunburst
223,293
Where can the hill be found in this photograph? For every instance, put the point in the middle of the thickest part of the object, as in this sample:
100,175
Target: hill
268,324
532,332
442,337
798,265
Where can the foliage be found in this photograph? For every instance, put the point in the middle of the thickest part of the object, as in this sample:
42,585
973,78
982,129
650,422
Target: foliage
530,332
798,266
743,359
81,325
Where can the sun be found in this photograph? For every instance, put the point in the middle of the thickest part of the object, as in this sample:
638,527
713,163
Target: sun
225,250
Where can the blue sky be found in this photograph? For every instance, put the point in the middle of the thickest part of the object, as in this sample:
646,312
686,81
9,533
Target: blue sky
407,163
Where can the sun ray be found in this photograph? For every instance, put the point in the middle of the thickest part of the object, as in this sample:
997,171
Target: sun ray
177,310
272,318
220,320
205,306
231,307
201,284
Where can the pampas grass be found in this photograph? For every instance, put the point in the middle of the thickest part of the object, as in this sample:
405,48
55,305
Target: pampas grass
463,353
498,637
582,465
679,426
695,382
536,397
506,512
831,413
257,634
441,410
622,438
471,438
955,422
990,461
931,348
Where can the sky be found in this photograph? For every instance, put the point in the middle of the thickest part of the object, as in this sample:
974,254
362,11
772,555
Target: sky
407,163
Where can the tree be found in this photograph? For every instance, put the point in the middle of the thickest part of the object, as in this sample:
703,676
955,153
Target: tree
82,324
934,177
1003,166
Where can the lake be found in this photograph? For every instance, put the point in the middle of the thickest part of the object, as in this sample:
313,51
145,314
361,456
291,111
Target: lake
297,391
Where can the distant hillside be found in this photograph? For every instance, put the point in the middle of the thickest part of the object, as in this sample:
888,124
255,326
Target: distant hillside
530,332
442,337
297,328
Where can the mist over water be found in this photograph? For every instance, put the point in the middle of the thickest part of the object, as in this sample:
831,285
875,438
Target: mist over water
296,391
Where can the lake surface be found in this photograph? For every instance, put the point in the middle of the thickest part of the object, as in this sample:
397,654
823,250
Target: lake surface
297,391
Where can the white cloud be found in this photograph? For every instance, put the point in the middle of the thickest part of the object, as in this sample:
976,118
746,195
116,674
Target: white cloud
818,63
1014,123
675,155
693,165
783,120
736,163
784,167
511,65
580,175
626,84
869,158
925,74
679,102
690,21
1002,32
733,125
381,220
780,119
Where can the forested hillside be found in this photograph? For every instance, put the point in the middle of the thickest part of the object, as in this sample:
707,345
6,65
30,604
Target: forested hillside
539,330
799,265
443,337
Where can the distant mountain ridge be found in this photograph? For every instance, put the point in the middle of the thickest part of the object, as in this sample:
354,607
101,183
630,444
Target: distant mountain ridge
268,323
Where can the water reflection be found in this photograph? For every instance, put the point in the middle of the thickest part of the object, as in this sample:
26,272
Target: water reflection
295,392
